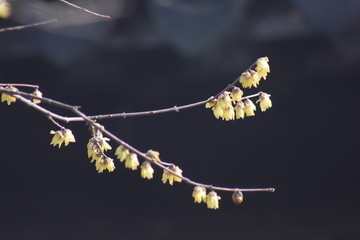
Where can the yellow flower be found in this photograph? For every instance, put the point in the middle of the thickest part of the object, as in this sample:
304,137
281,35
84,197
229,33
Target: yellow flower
262,67
218,111
249,108
167,176
212,200
92,149
240,110
224,100
146,170
8,98
68,136
62,136
237,197
211,103
5,9
199,194
236,94
104,163
265,101
154,155
229,113
249,79
104,146
121,153
37,93
178,171
132,161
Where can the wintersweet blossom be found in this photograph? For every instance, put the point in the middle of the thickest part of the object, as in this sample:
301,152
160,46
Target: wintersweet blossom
218,111
104,163
240,110
199,194
8,98
146,170
39,94
236,94
171,178
229,113
265,102
104,146
132,161
249,79
249,108
262,67
224,100
62,136
211,103
92,149
212,200
154,155
122,152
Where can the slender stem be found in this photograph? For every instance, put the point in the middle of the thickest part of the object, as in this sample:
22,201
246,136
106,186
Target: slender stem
18,85
113,115
144,156
28,26
84,9
55,122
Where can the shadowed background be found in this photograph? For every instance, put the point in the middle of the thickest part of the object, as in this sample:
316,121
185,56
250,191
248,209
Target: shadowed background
162,53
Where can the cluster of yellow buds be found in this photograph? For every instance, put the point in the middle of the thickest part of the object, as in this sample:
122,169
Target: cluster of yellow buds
130,158
171,178
212,199
96,147
230,105
62,136
251,78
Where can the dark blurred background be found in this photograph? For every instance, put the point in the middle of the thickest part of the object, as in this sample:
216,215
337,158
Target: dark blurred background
160,53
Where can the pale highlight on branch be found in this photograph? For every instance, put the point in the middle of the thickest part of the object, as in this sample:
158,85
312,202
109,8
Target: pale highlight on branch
28,25
84,9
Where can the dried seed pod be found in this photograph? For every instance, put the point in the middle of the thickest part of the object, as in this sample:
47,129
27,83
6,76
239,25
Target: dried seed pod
237,197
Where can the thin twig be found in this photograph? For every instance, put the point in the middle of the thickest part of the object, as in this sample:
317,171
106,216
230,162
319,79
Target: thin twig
84,9
144,156
18,85
55,122
91,122
28,25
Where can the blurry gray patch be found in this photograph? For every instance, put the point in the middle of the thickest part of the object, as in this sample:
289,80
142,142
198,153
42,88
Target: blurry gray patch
329,16
193,26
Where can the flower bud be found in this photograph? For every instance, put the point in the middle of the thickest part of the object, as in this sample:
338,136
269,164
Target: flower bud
212,200
146,170
37,93
199,194
237,197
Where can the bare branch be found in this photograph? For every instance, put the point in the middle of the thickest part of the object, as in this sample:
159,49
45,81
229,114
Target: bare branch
84,9
28,25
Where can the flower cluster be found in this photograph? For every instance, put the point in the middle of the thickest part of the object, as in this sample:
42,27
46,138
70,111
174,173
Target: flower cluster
171,178
251,78
212,199
230,105
62,136
96,147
